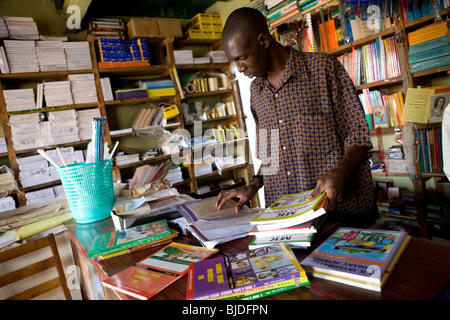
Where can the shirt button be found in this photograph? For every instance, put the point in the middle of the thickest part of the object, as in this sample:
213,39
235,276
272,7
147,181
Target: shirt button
288,173
276,95
280,121
284,148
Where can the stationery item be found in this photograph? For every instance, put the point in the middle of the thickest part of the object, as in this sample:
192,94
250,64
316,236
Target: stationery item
98,138
417,108
248,271
119,240
291,210
359,257
150,276
44,154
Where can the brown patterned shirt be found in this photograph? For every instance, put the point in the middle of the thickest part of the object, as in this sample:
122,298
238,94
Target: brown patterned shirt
305,125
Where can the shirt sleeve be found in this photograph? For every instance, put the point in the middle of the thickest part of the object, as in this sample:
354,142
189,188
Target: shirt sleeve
353,128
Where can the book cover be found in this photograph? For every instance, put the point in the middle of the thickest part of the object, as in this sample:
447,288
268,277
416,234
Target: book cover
417,105
153,274
380,116
362,255
425,46
118,240
438,103
237,273
293,240
291,210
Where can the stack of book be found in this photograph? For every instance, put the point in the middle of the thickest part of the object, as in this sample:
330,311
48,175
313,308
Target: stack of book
4,34
19,99
429,149
7,203
420,8
158,87
7,181
129,94
33,170
107,28
156,272
147,117
78,55
287,12
246,275
359,257
51,56
57,93
183,56
124,157
84,118
26,131
63,126
106,89
83,88
22,28
128,240
174,175
292,220
217,56
429,47
21,56
38,196
4,66
148,174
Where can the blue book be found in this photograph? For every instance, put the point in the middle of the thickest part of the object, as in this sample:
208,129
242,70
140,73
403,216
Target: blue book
429,54
430,64
427,45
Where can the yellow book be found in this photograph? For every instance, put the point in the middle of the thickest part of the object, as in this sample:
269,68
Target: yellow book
161,92
417,108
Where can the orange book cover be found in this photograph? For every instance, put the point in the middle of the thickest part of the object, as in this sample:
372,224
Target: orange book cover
323,41
150,276
331,34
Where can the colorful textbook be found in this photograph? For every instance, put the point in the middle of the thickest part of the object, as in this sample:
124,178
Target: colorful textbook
123,239
247,273
290,210
153,274
360,257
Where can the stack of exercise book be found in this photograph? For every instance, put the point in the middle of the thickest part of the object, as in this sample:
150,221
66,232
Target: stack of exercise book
246,275
292,219
111,244
359,257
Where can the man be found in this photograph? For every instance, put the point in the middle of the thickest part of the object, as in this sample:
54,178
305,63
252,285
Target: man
308,101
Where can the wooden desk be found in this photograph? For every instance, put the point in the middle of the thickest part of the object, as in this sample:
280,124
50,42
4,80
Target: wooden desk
421,274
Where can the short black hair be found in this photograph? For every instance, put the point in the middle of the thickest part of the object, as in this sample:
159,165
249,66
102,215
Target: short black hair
249,22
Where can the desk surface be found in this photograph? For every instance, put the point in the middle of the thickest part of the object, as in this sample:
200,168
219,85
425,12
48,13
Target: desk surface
421,273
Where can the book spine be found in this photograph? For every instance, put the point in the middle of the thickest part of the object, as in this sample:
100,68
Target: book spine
429,54
438,42
430,64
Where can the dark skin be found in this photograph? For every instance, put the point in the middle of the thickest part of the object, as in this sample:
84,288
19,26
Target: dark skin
260,55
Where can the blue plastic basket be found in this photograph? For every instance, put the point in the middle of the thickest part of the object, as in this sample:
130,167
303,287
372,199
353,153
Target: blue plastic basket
89,190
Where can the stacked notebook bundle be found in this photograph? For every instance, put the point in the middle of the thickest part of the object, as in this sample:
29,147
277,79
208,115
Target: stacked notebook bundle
26,131
21,56
84,118
83,88
22,28
63,126
57,93
217,56
292,220
148,174
19,99
4,33
183,56
78,55
50,55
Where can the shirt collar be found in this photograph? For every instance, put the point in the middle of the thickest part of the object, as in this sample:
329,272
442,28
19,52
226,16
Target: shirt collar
295,67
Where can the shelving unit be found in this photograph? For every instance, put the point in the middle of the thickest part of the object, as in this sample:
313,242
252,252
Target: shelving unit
112,110
400,30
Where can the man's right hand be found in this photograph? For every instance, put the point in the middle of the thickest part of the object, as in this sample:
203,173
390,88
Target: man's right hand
243,193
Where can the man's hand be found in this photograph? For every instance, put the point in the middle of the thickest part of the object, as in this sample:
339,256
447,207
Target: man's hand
243,193
332,182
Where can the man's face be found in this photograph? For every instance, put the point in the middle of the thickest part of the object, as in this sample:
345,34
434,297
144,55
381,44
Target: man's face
250,57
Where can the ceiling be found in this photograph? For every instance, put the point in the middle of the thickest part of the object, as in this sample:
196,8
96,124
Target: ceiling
183,9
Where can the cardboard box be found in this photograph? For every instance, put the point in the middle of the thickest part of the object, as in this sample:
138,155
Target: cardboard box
142,28
169,27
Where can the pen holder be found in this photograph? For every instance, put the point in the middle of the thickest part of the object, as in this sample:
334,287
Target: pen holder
89,190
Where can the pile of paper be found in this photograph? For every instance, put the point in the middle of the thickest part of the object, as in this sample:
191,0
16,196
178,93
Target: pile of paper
63,126
3,148
4,66
174,175
78,55
7,203
70,156
19,99
41,195
183,56
106,89
4,33
7,181
33,170
201,60
21,56
85,122
217,56
26,131
83,88
50,55
22,28
57,93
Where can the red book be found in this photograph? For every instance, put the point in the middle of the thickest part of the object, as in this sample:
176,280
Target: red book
155,273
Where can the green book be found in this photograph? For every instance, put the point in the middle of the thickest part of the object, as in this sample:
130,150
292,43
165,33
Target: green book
118,240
